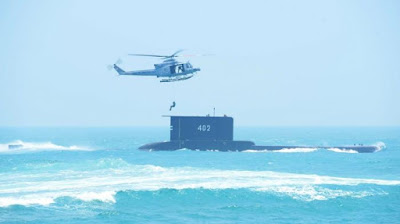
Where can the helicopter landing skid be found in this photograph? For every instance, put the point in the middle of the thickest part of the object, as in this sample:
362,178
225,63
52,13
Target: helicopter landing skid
177,78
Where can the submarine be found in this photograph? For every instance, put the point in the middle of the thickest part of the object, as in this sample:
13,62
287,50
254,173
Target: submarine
216,133
15,146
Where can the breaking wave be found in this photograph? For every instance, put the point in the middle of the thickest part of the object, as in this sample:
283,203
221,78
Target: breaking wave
342,150
104,182
311,193
380,145
21,147
285,150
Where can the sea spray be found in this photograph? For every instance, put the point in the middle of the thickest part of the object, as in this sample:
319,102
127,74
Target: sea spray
103,183
22,147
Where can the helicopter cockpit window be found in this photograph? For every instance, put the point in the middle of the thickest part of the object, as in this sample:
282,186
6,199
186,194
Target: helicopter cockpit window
176,69
180,68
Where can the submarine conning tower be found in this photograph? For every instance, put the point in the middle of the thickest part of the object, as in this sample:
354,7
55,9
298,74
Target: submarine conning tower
196,128
216,133
202,133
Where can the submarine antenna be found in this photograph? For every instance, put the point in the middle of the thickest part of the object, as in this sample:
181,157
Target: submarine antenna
214,111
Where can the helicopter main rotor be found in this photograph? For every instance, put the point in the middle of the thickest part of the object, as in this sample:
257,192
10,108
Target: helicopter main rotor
159,56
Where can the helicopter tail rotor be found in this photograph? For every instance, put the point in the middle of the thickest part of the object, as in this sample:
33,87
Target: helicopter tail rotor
118,62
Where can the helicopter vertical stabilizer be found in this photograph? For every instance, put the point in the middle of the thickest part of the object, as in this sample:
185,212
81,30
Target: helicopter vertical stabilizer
119,70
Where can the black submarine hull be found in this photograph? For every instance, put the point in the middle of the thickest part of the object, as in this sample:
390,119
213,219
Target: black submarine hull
225,146
216,133
199,145
15,146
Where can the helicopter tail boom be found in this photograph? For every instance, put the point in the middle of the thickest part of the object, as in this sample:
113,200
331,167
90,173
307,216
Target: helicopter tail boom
119,70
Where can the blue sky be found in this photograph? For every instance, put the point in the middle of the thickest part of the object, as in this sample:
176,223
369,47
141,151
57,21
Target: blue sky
275,63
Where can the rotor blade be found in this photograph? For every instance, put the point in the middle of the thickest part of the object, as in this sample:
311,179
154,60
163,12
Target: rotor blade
177,52
196,55
149,55
119,61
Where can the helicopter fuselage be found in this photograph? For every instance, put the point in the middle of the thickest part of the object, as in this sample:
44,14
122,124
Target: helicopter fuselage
169,68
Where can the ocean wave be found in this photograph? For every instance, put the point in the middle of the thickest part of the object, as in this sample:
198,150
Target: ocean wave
50,198
103,183
21,147
380,145
26,201
284,150
311,193
290,150
105,196
342,150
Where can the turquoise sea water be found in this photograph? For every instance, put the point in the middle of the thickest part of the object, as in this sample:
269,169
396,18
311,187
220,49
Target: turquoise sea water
97,175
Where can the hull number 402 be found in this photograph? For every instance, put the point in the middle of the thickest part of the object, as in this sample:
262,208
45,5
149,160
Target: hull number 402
204,127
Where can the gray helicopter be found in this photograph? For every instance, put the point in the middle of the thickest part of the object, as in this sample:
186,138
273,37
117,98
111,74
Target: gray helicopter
170,69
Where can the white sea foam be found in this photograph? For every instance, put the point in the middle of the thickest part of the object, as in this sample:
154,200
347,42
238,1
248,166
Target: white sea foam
311,193
342,150
106,196
26,200
289,150
284,150
380,145
22,147
49,198
103,182
255,151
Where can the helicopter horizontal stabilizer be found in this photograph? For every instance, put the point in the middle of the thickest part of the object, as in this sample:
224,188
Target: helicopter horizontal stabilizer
119,70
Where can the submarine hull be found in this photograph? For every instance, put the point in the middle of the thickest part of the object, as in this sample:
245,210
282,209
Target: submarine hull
15,146
216,133
359,149
199,145
225,146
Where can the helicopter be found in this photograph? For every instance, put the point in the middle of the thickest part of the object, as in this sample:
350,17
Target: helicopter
170,70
